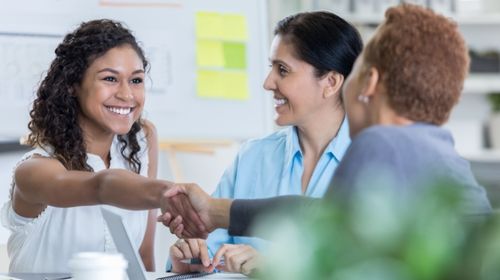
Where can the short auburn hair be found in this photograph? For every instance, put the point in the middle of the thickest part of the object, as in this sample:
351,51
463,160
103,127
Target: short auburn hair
423,61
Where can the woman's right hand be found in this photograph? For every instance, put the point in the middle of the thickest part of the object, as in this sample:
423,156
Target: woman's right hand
186,249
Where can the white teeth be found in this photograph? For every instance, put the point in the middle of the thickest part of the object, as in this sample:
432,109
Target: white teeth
280,101
121,111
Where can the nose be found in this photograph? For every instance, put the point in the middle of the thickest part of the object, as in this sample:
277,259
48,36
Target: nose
269,83
125,91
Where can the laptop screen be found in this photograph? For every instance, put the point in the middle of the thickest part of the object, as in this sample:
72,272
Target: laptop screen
135,269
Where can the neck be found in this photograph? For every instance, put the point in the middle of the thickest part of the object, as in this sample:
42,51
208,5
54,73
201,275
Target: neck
99,145
382,113
315,136
387,116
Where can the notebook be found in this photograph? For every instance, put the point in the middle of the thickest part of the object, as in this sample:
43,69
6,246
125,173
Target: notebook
135,269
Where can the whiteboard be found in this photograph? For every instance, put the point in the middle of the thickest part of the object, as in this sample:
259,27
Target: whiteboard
31,29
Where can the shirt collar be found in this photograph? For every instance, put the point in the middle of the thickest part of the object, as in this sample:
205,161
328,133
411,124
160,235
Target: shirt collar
292,144
337,147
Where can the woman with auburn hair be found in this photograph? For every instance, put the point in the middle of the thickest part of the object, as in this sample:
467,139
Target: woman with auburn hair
402,89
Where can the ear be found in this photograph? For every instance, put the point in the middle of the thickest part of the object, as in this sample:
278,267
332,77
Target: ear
372,79
334,83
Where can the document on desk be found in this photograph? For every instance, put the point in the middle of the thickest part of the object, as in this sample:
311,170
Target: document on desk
219,275
5,277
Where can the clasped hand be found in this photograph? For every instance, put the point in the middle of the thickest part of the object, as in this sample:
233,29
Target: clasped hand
185,210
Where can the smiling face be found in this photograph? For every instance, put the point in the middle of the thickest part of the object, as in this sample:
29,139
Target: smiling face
298,93
111,94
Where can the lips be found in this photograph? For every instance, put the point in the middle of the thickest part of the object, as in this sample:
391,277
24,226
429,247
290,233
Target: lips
280,101
120,110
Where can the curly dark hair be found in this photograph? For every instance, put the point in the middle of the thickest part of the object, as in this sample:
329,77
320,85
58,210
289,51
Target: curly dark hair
54,117
423,60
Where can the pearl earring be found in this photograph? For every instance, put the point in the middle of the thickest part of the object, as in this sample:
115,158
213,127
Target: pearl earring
363,99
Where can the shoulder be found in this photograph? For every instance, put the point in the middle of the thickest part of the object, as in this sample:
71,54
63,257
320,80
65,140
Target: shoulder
377,145
30,170
149,130
272,143
37,158
376,136
271,140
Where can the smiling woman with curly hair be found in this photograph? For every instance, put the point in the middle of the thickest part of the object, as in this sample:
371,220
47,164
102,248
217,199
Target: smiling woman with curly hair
91,147
55,113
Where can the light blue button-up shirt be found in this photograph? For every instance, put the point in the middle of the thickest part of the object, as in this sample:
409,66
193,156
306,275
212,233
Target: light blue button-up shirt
273,166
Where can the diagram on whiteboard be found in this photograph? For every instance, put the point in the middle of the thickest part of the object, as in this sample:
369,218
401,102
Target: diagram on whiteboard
25,57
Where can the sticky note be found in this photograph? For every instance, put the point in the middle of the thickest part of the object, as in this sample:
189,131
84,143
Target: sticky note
234,27
222,84
210,53
234,55
229,27
236,85
209,25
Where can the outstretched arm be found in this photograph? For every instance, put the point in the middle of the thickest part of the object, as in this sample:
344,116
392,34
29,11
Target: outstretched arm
45,181
237,216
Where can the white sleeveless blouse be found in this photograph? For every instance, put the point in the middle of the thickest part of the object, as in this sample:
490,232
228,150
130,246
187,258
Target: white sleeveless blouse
46,243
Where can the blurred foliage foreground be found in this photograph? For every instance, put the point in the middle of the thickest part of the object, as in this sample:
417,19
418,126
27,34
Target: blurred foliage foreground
377,235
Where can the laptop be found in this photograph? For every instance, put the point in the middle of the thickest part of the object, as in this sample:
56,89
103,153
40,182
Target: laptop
135,268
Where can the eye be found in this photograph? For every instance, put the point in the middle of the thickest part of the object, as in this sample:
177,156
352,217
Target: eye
110,79
282,70
137,81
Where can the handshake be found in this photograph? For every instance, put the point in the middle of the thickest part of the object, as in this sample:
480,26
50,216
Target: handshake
189,212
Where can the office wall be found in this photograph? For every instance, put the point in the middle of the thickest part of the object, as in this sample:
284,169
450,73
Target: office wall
31,29
205,83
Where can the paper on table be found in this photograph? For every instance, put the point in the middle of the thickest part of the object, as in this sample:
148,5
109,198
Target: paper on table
4,277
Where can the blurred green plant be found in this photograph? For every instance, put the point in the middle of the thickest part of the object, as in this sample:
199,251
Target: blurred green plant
494,99
380,235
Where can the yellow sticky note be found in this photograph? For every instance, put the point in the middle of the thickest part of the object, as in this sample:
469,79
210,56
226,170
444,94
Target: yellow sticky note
210,53
208,84
234,27
209,25
236,85
222,84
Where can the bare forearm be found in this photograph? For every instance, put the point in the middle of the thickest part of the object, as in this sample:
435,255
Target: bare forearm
219,212
125,189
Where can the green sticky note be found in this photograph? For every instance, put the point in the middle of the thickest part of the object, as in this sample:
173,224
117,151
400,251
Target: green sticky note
234,27
209,25
210,53
222,84
235,55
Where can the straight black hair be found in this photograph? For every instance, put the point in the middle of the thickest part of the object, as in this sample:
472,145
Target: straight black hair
322,39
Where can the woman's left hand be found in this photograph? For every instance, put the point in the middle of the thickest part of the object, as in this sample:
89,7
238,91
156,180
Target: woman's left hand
238,258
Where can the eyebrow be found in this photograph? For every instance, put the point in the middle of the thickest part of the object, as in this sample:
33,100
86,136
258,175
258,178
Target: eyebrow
279,61
116,72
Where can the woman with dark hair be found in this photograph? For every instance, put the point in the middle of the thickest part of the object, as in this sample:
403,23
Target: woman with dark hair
310,57
402,89
91,147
